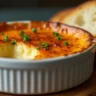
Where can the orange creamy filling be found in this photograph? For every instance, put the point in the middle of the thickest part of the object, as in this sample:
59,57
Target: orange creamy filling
49,42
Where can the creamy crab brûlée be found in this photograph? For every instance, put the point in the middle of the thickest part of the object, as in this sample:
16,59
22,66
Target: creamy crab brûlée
39,40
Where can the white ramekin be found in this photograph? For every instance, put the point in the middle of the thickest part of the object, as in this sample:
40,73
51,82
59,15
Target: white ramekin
45,76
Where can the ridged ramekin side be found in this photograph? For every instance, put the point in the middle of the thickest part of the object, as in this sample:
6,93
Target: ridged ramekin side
45,80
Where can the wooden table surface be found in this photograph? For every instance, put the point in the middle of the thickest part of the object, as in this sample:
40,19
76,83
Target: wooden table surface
86,89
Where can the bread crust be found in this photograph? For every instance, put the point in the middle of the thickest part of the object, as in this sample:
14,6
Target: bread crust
59,15
79,8
65,14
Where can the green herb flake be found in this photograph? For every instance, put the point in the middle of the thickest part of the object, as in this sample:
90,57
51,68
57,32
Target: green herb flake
38,48
66,43
22,33
5,38
13,42
59,37
26,38
55,34
34,30
44,45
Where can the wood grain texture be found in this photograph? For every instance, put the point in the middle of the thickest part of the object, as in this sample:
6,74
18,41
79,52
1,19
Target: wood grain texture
86,89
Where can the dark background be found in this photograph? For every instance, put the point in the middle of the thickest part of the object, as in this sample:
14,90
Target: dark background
12,10
39,3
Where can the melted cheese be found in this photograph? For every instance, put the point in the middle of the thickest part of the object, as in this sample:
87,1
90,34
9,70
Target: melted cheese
78,40
19,51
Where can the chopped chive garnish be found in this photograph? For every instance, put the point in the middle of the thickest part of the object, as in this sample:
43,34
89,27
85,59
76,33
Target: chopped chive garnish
55,34
44,45
59,37
13,42
66,43
38,48
22,33
34,30
26,38
5,38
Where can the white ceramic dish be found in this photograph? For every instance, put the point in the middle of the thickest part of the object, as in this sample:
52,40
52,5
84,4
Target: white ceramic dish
45,76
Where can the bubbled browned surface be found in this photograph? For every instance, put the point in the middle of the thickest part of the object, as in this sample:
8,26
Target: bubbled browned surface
78,39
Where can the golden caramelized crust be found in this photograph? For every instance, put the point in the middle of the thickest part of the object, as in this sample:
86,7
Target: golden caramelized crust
46,39
60,15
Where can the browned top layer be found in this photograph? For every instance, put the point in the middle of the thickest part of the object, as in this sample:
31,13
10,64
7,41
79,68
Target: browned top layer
69,40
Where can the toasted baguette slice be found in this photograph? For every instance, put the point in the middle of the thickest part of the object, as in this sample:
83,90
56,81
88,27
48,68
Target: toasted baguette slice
59,15
83,16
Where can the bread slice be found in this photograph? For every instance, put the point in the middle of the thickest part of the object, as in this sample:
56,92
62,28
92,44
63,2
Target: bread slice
60,15
83,16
